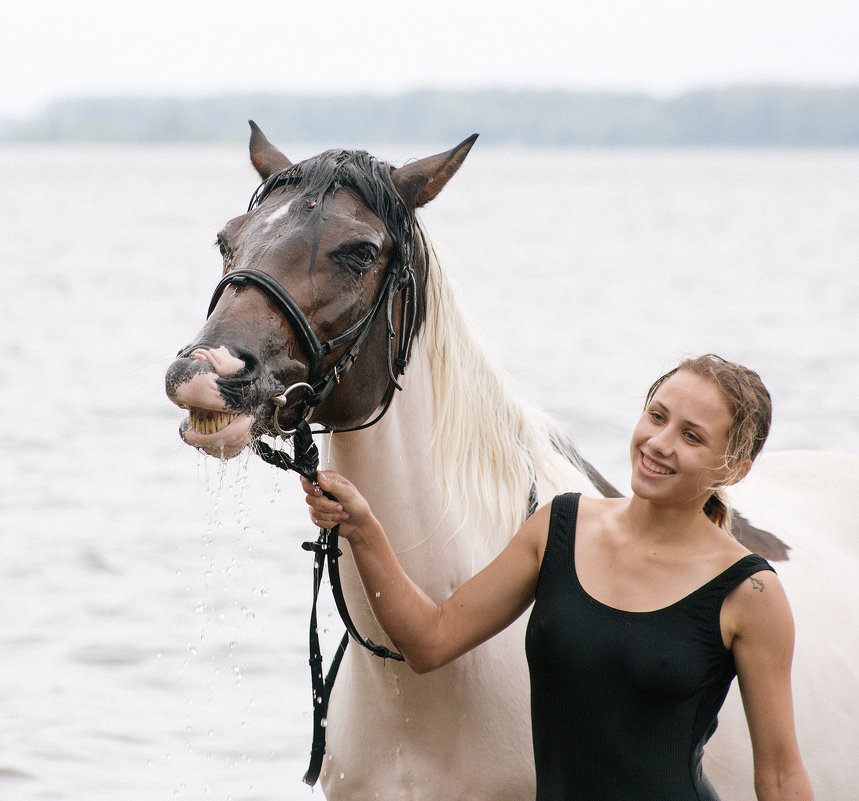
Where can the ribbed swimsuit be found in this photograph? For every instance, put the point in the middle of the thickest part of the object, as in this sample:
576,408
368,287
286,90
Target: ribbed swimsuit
622,703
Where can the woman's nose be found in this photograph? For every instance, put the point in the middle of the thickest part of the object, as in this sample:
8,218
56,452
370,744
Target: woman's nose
660,441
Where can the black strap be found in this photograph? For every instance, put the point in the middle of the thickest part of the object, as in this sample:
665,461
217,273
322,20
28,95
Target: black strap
333,554
305,461
320,711
325,551
321,687
285,302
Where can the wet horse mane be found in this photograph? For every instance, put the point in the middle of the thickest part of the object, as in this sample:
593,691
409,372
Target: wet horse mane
492,442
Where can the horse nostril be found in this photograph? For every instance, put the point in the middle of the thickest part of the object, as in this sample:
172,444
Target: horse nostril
252,367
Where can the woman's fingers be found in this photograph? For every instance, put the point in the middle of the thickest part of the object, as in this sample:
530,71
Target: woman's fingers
324,511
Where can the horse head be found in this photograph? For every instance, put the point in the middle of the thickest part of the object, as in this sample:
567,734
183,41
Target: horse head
328,260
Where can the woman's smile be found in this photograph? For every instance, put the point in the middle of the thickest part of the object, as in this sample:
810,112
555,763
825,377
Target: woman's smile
654,467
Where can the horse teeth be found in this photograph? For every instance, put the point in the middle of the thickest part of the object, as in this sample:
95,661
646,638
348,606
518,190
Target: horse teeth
206,421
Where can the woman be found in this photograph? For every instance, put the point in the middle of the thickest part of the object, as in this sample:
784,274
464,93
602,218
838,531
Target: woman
644,608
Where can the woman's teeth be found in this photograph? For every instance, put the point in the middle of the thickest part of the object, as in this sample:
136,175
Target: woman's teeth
654,467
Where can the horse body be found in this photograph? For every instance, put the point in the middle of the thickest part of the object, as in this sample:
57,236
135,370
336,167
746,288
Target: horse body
451,469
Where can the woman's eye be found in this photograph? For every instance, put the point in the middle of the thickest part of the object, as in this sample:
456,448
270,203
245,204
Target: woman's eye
694,438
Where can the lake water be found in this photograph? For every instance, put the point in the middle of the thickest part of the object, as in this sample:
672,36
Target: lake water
155,603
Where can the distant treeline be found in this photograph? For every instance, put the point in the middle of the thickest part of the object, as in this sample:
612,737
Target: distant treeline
761,116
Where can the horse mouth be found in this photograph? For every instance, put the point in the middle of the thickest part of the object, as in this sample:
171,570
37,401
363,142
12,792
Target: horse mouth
207,421
217,433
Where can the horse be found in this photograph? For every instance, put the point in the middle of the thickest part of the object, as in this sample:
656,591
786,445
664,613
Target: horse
333,311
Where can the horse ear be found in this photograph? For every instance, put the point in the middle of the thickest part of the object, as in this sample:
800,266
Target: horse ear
420,181
265,157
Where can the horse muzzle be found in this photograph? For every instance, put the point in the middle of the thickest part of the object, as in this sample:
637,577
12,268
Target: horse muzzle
227,404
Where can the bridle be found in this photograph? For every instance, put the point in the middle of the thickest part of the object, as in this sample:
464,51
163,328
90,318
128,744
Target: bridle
400,281
320,381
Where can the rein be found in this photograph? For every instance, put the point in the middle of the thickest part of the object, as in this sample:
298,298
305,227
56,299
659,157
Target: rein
305,461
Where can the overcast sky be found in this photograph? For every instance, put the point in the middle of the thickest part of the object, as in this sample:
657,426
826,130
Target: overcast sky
51,50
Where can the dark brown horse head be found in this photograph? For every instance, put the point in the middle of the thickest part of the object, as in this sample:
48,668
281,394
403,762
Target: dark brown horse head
328,261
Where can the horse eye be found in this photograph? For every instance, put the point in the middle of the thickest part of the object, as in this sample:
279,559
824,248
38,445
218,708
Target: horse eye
360,257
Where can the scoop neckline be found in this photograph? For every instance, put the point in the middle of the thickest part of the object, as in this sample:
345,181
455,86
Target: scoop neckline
666,608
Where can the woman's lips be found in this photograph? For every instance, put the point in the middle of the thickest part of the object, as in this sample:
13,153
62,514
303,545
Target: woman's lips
654,467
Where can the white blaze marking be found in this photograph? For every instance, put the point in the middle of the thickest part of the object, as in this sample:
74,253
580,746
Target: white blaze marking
278,213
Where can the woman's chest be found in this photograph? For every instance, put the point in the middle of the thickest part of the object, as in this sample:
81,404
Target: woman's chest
671,653
640,579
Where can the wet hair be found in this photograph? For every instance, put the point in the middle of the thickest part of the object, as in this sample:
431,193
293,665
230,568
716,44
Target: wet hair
750,406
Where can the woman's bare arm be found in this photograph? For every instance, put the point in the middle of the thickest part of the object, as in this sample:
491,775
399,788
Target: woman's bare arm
762,645
428,634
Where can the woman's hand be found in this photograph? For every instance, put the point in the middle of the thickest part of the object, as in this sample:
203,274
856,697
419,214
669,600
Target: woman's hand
348,509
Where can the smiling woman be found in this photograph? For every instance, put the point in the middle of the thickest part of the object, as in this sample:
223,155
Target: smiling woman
711,389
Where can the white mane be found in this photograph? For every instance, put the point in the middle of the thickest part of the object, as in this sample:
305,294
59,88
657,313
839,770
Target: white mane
489,441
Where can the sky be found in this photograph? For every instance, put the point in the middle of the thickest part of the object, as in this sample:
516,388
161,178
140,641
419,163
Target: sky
53,51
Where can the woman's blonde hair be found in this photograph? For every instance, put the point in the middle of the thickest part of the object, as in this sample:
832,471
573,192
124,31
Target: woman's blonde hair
751,415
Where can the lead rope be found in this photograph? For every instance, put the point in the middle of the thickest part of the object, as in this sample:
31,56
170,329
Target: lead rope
305,461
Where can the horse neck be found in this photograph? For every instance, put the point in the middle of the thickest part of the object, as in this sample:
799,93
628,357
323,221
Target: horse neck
396,463
439,468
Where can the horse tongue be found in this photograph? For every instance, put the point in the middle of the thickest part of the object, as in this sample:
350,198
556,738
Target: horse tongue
221,359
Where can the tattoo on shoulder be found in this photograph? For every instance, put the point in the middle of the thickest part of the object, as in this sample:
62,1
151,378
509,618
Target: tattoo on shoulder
757,584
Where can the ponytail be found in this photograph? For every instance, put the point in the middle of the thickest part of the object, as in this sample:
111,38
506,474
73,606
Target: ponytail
718,509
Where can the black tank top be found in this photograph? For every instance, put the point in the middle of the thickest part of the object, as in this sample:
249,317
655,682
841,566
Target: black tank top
622,703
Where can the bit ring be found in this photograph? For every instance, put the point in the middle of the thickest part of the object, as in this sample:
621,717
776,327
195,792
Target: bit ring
280,401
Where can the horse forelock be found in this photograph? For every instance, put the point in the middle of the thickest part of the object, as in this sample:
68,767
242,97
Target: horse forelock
370,178
497,447
361,172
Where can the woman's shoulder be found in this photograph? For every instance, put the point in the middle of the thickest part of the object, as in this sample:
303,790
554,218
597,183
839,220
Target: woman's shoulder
601,506
600,511
757,608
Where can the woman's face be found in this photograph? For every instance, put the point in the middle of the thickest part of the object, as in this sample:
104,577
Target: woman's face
678,447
